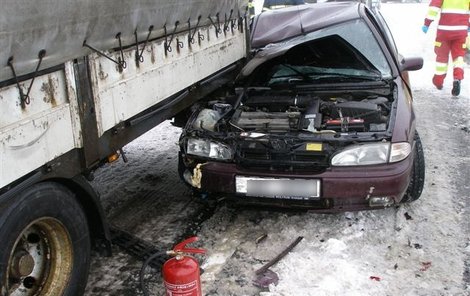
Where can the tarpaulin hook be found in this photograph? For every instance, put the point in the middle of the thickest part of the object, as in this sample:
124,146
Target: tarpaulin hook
24,98
218,30
139,58
227,21
167,43
120,62
240,22
191,35
200,36
233,23
179,44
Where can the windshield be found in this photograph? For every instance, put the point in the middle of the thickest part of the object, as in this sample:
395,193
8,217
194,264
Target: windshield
344,52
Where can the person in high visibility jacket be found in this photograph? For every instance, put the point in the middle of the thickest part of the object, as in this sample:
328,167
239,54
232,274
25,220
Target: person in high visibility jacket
452,31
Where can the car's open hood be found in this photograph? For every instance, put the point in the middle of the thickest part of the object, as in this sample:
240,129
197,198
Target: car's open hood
330,51
278,32
278,25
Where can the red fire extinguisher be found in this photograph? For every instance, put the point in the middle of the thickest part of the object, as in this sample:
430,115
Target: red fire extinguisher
181,274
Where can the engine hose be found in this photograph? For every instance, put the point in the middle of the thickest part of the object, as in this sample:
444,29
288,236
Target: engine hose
144,266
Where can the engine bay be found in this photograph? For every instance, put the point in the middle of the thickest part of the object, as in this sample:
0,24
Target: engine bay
280,113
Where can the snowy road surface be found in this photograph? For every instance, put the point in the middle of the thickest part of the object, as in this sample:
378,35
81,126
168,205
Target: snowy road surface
422,248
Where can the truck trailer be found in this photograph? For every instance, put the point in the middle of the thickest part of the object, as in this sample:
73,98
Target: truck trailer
78,81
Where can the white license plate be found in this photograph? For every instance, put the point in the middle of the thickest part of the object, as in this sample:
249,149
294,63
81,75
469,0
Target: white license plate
281,188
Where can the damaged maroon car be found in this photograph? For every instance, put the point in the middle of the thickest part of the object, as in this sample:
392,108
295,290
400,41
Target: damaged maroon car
321,117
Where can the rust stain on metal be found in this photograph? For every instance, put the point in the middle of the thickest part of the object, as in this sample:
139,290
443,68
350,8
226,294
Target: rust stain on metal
152,55
22,106
70,88
49,90
101,73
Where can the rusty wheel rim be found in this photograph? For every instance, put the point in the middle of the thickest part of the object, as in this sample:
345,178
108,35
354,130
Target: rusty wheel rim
41,260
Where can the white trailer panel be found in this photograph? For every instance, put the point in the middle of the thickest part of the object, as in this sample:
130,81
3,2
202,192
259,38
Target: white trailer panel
121,95
45,129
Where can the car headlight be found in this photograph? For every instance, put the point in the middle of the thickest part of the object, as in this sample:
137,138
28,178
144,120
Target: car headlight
208,148
367,154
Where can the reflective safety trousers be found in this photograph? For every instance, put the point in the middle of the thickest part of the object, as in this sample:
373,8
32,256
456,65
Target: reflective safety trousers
456,49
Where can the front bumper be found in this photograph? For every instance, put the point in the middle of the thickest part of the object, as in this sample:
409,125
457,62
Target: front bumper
342,188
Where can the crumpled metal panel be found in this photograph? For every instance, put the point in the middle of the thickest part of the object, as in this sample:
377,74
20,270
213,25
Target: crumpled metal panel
60,27
278,25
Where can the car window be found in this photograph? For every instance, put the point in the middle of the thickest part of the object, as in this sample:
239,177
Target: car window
358,34
326,58
380,22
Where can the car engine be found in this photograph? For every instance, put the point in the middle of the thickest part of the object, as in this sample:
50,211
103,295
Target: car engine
313,114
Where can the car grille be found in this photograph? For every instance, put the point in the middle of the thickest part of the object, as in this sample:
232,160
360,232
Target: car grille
284,160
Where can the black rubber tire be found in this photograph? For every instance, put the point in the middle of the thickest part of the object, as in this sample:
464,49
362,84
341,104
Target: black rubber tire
415,188
43,201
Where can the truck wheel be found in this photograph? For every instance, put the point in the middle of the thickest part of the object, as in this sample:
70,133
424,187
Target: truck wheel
45,243
417,174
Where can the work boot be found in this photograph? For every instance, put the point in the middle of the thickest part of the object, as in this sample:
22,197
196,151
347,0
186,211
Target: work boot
438,81
456,88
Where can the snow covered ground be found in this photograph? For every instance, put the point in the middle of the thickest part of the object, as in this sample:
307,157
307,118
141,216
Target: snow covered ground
422,248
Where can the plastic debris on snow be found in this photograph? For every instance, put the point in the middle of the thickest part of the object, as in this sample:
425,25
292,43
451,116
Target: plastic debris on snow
425,266
375,278
267,278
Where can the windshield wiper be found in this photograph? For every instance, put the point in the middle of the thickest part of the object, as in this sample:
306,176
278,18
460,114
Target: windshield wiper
346,77
305,76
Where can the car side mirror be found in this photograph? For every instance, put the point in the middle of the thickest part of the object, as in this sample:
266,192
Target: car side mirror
411,64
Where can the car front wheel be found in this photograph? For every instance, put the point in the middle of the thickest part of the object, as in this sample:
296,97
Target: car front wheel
417,174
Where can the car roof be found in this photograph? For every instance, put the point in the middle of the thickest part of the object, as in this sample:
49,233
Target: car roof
278,25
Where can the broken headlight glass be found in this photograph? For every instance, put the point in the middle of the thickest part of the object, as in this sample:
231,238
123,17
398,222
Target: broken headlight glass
208,148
